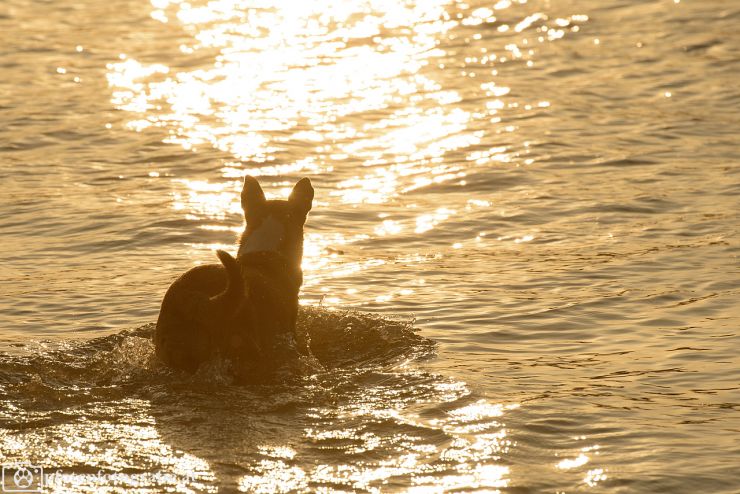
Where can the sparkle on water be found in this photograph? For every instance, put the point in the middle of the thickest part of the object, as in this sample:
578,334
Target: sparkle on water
419,123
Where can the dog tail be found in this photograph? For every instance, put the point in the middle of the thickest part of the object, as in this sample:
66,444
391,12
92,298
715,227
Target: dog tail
229,299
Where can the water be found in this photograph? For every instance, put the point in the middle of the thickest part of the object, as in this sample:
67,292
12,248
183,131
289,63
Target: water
530,207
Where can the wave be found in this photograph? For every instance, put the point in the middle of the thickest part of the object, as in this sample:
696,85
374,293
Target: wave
116,365
372,417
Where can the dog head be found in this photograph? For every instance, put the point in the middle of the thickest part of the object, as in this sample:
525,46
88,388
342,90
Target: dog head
275,225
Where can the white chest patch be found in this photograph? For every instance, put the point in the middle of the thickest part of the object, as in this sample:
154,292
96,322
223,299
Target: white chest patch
266,238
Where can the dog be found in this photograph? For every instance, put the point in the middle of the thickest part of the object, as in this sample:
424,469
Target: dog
243,309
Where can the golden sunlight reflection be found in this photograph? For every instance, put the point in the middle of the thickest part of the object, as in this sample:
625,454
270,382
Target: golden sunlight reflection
301,73
287,69
307,82
343,91
108,448
348,91
469,457
426,222
594,476
568,463
211,200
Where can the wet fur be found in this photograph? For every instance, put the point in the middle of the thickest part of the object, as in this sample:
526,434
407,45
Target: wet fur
243,309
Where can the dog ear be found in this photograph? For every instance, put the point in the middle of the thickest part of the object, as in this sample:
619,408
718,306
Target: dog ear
302,195
252,196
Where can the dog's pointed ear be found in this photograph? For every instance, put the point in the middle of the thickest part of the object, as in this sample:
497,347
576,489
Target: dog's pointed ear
252,196
302,195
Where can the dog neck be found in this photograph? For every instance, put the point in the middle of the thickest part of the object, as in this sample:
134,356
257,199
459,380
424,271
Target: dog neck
268,242
271,264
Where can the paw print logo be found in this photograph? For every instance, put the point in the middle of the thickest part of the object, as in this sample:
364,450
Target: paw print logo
23,478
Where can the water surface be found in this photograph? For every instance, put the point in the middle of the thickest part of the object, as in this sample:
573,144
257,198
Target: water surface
547,191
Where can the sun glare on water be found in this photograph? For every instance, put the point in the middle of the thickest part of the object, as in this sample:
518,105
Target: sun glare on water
346,82
343,82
